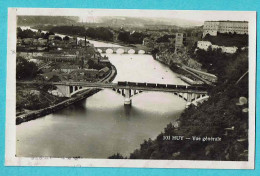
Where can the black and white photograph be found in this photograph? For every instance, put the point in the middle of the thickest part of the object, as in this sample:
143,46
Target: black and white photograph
131,88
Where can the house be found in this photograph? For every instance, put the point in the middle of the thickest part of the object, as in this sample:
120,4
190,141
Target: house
53,77
84,74
91,73
35,42
19,42
102,72
48,76
230,50
104,62
68,68
28,41
204,45
51,37
42,42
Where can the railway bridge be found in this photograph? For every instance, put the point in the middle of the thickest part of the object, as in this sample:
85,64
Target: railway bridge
191,94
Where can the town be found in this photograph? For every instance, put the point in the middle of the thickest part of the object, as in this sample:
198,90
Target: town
61,67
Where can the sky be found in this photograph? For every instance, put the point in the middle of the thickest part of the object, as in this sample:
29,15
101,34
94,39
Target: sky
89,14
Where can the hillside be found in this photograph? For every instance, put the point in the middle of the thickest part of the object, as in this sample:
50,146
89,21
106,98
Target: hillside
222,117
46,20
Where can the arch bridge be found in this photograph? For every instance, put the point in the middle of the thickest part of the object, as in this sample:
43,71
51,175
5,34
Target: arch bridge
191,94
122,50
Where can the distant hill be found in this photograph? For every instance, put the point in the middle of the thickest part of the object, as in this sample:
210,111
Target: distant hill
144,21
46,20
115,21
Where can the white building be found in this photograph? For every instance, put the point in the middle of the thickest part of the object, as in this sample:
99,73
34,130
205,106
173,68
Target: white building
204,45
214,27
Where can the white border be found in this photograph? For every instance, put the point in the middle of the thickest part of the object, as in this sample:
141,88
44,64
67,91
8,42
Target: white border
10,147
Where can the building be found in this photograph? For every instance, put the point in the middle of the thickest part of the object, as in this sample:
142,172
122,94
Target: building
215,27
103,72
68,68
28,41
84,74
178,41
225,49
42,42
52,77
51,37
204,45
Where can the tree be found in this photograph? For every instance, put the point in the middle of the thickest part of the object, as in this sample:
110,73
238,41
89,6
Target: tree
100,33
211,119
66,38
69,30
165,38
25,33
136,38
124,36
57,38
117,156
25,69
47,34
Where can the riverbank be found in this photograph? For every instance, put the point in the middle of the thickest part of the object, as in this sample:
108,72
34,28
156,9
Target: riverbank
186,75
90,39
79,96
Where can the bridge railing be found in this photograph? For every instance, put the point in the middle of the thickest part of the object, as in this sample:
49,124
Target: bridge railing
120,84
157,85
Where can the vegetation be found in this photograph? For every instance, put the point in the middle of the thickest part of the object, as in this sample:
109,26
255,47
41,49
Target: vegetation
123,36
66,38
100,33
25,33
117,156
25,69
40,20
28,33
34,98
93,65
220,116
69,30
230,39
131,38
165,38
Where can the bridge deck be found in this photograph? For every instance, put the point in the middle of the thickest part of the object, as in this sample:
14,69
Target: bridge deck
116,86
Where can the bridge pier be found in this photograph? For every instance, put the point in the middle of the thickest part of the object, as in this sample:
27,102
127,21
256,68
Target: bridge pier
127,100
64,90
189,99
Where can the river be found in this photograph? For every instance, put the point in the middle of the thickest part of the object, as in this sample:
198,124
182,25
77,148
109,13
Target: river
101,125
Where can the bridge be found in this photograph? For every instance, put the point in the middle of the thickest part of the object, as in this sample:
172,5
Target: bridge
191,94
122,50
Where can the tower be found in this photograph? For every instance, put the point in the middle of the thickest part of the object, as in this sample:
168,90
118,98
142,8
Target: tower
178,42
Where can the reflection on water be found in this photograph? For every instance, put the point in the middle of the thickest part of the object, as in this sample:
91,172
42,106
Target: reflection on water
101,125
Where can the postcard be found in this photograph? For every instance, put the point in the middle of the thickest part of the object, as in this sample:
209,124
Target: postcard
131,88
